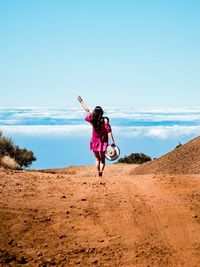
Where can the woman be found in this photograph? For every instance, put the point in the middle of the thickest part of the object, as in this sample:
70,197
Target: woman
101,131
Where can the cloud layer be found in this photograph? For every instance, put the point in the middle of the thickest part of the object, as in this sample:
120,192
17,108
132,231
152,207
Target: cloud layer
158,123
45,116
161,132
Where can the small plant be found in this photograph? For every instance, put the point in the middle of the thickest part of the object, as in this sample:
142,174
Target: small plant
13,156
179,144
135,158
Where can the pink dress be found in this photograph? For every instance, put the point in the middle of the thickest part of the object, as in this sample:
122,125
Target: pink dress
99,140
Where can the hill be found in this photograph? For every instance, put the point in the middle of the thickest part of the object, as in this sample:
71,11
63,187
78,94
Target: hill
182,160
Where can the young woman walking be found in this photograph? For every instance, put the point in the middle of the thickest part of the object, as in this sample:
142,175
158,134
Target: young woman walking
101,132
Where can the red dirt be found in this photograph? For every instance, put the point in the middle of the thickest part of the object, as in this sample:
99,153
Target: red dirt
73,218
182,160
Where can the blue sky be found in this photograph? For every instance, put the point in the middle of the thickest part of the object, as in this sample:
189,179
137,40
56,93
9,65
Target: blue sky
113,53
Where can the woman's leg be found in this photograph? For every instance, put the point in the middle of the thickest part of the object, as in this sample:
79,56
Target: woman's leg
102,161
97,158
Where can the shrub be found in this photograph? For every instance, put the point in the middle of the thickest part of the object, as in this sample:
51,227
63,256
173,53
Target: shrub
8,162
22,157
179,144
6,145
135,158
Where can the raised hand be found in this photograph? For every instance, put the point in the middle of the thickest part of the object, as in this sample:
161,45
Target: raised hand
82,103
79,99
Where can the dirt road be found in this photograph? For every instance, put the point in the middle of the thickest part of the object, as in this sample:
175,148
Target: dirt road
74,218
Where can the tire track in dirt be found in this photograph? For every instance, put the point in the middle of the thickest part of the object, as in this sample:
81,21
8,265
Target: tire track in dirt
145,244
171,218
124,213
76,218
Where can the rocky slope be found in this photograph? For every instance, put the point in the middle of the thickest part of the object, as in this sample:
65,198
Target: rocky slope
182,160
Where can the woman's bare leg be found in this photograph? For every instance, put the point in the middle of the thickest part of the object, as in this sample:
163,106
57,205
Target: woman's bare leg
97,158
102,161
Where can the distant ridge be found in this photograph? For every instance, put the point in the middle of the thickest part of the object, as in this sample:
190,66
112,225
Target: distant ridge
182,160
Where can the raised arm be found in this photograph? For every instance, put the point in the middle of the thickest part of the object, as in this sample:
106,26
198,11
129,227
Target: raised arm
83,104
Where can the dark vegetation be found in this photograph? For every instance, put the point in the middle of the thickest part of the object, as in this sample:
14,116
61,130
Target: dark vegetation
135,158
179,144
8,150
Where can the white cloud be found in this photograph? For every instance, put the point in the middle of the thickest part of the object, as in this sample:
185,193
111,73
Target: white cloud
160,132
38,130
184,114
21,116
44,113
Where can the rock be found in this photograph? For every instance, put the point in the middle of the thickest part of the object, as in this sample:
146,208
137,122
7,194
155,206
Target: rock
39,254
62,236
82,249
101,240
9,258
42,264
22,260
12,243
52,261
91,250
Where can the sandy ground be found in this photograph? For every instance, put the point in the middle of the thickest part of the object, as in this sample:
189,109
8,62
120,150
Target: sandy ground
74,218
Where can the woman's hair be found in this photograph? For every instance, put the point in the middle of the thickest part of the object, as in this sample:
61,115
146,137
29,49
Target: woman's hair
97,118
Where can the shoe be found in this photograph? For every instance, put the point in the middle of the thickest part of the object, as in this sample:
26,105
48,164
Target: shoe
100,174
